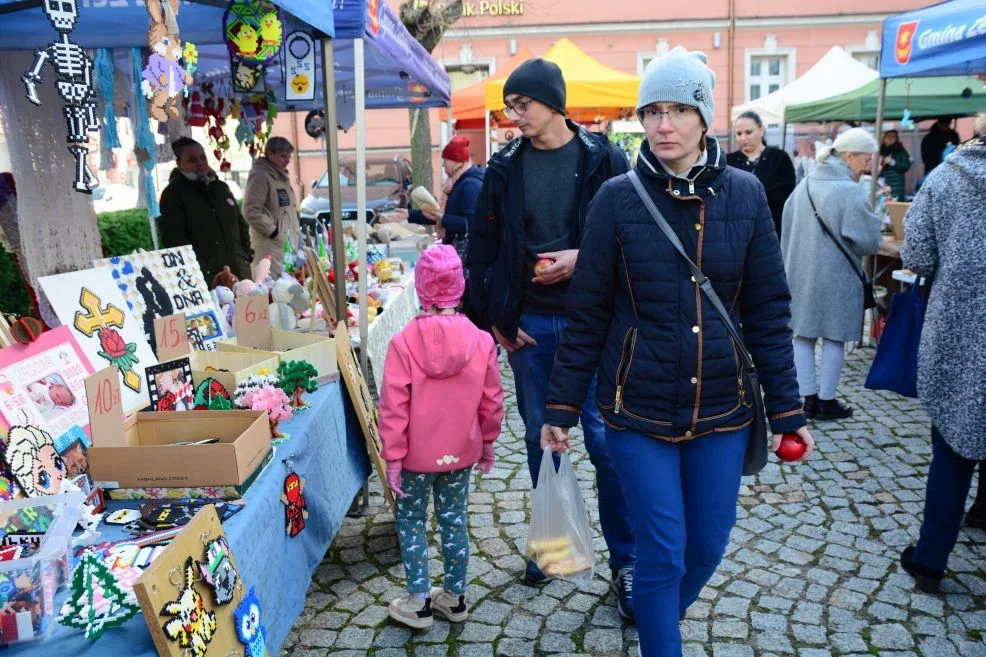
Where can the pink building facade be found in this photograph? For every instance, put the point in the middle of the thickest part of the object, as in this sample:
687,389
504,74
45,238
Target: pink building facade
772,42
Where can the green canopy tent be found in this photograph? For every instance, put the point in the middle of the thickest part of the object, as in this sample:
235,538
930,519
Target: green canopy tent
925,98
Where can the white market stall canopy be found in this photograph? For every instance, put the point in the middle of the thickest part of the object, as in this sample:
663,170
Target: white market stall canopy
835,73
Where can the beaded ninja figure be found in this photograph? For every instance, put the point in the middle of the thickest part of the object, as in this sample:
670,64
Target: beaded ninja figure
74,84
295,507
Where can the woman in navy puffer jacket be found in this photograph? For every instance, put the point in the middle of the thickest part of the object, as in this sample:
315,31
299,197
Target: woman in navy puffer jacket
670,383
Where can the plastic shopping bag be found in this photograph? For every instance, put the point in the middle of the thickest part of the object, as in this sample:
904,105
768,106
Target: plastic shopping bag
559,540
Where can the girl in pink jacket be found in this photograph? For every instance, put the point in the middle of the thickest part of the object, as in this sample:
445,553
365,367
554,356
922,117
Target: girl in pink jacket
441,406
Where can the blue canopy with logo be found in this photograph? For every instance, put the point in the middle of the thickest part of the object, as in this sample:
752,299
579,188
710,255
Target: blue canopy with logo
944,39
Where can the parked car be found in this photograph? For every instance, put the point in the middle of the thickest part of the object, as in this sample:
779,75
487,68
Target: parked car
388,187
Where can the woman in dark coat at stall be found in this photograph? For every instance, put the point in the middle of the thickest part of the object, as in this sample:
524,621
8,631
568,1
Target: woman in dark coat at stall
670,384
894,163
771,166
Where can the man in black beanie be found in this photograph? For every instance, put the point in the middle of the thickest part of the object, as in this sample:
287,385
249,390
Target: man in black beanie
522,248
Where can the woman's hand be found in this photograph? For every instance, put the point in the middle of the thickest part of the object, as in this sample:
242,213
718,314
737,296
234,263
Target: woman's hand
805,437
556,438
522,340
431,212
395,216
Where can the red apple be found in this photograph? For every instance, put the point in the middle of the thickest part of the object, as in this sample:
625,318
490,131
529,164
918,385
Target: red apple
792,448
541,265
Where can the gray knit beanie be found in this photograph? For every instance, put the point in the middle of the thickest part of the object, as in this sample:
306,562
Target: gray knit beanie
682,77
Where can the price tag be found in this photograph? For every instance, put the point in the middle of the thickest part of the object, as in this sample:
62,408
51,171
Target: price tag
171,337
252,322
105,407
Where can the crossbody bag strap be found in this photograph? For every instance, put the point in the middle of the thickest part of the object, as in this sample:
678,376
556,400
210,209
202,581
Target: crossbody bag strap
699,277
852,261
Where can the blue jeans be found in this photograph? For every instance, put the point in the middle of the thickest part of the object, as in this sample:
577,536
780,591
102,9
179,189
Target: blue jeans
682,500
532,370
949,478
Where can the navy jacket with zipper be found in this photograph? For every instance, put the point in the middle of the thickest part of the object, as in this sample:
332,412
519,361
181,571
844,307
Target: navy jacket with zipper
459,208
666,364
495,252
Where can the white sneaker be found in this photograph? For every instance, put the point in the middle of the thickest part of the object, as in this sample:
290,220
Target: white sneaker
449,605
411,612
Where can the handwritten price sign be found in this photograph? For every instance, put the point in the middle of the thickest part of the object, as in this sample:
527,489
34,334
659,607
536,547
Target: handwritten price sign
105,407
171,337
252,322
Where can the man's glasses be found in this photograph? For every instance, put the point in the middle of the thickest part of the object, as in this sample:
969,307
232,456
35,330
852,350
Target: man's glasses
518,107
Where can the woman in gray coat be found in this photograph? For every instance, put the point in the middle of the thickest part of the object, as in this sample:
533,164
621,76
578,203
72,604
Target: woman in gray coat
826,291
944,240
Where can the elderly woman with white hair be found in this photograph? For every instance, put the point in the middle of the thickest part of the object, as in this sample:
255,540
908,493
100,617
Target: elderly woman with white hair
828,227
270,205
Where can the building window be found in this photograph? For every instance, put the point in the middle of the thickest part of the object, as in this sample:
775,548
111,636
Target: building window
869,57
464,75
767,74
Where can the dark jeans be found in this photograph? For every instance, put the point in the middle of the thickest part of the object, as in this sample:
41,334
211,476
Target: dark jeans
683,504
532,370
949,478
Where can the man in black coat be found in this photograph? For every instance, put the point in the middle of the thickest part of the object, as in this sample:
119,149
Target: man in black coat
523,244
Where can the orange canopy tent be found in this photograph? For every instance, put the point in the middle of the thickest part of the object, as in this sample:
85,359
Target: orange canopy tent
594,92
469,103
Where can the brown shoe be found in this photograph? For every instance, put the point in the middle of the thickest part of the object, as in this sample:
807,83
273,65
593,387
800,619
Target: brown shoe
449,605
412,613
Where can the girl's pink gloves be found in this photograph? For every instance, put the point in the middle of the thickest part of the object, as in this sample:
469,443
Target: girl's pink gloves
486,461
394,478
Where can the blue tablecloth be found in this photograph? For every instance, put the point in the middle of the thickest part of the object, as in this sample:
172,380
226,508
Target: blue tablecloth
327,449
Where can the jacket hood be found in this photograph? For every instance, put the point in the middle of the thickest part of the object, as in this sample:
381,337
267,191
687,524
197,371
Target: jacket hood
968,162
832,168
264,165
475,171
702,180
441,345
594,145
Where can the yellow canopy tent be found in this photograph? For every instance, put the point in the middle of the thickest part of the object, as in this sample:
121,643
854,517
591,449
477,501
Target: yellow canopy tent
469,103
594,91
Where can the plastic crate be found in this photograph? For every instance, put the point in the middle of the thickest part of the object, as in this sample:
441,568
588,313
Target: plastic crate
28,584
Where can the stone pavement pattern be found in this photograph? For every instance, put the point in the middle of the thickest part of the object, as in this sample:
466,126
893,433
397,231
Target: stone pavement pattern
811,569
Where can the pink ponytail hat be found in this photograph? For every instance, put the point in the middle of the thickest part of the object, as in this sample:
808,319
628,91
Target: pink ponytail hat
438,277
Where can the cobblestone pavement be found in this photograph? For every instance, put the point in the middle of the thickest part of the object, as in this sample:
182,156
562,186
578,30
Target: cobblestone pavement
811,570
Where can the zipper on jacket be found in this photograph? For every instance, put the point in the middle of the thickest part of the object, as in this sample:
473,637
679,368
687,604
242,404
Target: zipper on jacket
623,371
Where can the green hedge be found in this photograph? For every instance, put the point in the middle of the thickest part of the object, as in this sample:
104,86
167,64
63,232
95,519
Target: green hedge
121,232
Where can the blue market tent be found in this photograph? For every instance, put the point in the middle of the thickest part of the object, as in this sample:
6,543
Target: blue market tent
110,24
944,39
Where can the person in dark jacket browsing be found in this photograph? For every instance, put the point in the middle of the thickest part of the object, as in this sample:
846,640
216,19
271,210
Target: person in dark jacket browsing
670,382
532,207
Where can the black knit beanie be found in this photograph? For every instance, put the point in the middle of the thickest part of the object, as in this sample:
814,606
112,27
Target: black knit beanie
538,79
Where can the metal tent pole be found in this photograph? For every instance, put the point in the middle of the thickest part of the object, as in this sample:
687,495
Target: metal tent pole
332,171
361,202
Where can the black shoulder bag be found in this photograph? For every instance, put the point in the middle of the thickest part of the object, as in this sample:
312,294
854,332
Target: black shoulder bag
752,396
869,301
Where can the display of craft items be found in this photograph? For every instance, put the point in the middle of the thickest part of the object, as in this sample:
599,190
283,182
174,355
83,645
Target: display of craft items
225,277
297,377
253,382
253,30
227,306
257,112
289,300
190,624
97,599
74,83
205,107
208,391
163,79
249,628
383,271
272,400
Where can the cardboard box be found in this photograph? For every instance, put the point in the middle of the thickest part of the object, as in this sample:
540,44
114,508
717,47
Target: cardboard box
292,345
148,457
897,210
240,366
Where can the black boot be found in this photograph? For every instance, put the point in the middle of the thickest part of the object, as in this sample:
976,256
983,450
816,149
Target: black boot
927,580
976,518
832,409
811,406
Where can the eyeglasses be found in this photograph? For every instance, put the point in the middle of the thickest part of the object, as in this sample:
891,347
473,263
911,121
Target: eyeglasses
518,107
676,115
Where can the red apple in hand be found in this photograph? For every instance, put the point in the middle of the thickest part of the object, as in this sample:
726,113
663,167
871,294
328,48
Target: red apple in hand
792,448
541,265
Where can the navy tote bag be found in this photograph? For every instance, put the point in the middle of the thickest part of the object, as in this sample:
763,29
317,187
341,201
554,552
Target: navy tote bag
895,365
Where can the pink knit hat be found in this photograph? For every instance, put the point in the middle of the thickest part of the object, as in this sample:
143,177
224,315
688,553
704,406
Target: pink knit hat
438,277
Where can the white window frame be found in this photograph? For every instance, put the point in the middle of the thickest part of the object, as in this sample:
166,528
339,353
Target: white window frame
856,51
478,62
790,66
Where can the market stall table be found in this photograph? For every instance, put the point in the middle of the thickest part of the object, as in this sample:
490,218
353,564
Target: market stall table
327,450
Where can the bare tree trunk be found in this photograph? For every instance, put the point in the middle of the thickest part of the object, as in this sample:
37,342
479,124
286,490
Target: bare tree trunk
54,227
423,174
427,22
